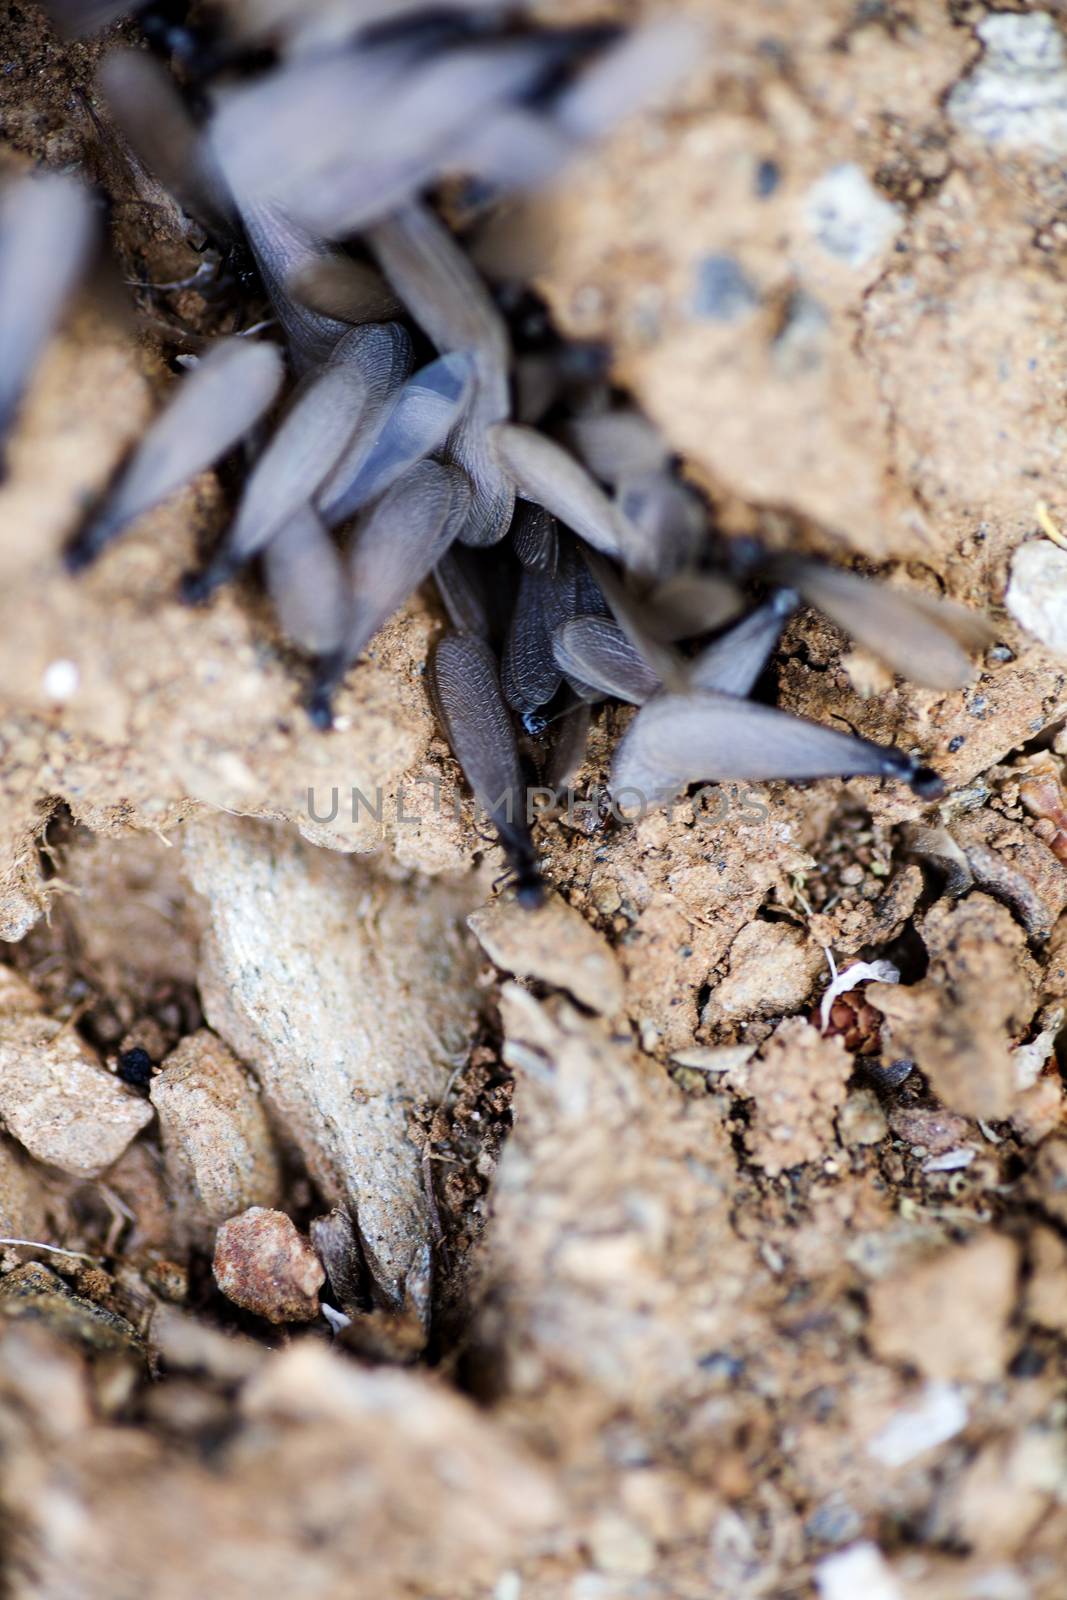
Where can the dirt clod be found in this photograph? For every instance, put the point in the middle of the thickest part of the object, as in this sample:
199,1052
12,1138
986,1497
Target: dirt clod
927,1314
798,1084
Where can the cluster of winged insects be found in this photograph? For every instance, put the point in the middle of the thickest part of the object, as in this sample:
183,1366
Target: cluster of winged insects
406,412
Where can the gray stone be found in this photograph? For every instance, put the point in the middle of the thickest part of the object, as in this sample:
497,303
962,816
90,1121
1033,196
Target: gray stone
349,995
724,291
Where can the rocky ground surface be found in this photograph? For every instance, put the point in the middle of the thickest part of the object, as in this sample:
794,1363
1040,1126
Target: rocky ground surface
670,1279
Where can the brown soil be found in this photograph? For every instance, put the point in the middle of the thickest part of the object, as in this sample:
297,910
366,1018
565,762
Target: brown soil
661,1287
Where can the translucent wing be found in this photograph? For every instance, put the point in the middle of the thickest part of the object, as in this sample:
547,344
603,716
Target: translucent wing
281,133
466,690
414,423
345,290
418,129
513,149
616,445
710,737
310,440
493,492
306,581
636,70
211,408
542,471
923,638
451,304
665,664
462,581
596,651
476,721
345,137
400,542
394,547
570,736
670,516
535,537
46,240
446,297
733,662
689,604
529,674
329,21
283,249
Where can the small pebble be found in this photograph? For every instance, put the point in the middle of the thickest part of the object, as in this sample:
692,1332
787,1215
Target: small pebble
724,292
605,895
135,1068
848,217
59,1103
861,1120
859,1570
554,944
263,1264
1037,593
218,1154
61,680
619,1547
768,177
169,1279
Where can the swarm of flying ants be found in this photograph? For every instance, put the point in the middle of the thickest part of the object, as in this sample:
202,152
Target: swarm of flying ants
406,413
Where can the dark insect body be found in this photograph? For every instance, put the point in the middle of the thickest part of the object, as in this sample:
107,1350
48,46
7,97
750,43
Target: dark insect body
466,691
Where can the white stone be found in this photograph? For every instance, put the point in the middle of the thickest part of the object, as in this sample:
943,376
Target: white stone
1016,97
848,216
352,998
61,680
939,1416
618,1547
859,1573
1037,592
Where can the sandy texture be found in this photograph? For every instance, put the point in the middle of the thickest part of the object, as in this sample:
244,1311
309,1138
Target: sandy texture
375,1438
554,945
721,1306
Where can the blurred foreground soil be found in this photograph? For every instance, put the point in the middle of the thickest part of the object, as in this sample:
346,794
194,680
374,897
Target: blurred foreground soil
645,1273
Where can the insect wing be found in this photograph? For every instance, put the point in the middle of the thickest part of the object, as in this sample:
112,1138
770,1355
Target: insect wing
732,663
400,542
467,694
307,582
710,737
46,240
212,407
924,639
544,472
596,651
414,423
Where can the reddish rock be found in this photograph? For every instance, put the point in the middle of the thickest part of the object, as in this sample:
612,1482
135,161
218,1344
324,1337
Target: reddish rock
264,1264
